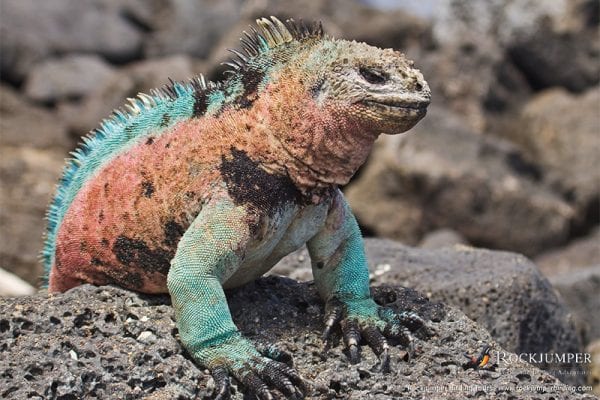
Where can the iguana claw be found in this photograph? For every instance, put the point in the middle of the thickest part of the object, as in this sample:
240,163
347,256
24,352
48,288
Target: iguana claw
374,324
259,379
256,369
222,383
352,337
333,316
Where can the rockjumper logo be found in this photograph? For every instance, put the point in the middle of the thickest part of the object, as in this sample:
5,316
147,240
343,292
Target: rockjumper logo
545,358
481,361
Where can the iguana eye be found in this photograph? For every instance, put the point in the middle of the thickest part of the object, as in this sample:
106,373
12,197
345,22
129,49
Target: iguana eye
373,76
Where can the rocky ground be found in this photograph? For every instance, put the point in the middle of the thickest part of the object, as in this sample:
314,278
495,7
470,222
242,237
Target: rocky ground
504,292
104,342
107,342
505,159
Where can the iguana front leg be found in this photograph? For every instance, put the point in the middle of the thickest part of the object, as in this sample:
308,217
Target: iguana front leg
209,252
342,279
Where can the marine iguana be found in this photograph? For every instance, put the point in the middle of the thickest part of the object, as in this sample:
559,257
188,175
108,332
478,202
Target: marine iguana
201,186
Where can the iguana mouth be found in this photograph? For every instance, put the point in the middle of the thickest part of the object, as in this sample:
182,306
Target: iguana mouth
398,109
420,105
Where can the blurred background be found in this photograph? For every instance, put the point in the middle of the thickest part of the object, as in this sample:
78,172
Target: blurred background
507,157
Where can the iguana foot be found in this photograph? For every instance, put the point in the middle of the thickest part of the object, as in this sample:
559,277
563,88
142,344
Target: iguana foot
364,319
273,352
258,374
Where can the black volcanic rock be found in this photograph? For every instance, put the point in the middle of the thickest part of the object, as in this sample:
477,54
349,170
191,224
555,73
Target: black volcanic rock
105,342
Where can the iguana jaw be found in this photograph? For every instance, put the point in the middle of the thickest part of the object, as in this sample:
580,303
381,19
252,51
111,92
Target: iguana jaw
406,110
396,113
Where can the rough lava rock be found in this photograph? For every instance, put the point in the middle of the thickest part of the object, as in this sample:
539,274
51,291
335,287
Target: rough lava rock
33,144
492,54
127,82
106,342
580,290
580,253
504,292
442,238
560,131
32,30
70,77
25,124
28,179
443,175
192,27
562,50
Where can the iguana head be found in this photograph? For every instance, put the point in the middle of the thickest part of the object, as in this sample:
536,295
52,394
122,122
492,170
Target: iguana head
327,99
380,87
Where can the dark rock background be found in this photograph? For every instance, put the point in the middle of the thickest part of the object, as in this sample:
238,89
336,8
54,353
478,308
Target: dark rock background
507,157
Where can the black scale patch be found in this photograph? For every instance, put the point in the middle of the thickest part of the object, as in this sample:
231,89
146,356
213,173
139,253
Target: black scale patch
173,232
165,120
248,183
131,280
136,253
200,103
147,189
251,78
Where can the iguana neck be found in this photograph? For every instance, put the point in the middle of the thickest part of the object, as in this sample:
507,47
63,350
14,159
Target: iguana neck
317,155
315,145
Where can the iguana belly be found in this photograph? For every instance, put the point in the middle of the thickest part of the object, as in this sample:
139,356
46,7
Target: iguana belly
293,227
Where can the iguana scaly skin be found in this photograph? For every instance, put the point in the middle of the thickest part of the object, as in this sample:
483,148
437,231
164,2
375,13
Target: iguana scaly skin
205,186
